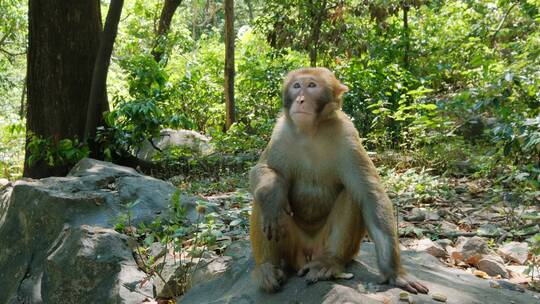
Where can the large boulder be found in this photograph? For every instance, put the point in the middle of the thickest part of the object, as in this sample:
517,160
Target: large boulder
57,237
237,286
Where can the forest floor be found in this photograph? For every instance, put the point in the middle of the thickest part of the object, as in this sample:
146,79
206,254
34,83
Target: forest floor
466,223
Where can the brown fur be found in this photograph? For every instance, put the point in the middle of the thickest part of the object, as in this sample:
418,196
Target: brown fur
316,192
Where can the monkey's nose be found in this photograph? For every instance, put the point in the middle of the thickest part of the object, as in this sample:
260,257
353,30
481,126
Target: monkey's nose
300,99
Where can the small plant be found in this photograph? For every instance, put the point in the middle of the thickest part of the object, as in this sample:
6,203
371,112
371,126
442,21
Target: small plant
534,263
186,243
64,152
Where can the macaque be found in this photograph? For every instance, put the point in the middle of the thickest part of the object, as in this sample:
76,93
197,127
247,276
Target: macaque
316,192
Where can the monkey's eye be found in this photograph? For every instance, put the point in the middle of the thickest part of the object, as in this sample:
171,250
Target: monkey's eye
296,85
312,85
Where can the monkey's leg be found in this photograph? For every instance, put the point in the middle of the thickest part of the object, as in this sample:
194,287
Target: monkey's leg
269,254
337,242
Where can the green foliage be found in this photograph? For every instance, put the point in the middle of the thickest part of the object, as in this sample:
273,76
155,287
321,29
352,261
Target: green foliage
533,268
387,103
146,110
13,36
187,240
456,89
65,152
188,93
11,146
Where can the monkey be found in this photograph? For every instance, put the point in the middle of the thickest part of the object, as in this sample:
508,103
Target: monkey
316,192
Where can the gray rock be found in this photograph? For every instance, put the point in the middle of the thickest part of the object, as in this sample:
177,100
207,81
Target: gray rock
237,286
416,215
430,247
515,251
3,183
448,226
493,266
156,250
506,284
57,243
421,214
197,142
473,250
177,275
444,242
490,229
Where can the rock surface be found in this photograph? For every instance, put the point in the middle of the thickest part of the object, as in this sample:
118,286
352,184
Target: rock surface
189,139
471,250
431,247
492,265
57,242
3,183
237,286
515,251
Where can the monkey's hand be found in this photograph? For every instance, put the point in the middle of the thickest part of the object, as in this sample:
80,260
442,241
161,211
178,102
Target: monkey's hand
408,283
274,219
271,196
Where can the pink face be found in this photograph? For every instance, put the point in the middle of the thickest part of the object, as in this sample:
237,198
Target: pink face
308,97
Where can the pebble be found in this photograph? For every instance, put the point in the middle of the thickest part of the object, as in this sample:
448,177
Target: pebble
404,296
439,297
345,275
481,274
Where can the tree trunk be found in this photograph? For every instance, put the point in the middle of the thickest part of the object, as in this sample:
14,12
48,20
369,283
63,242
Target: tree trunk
98,102
22,109
63,39
406,35
318,14
167,13
250,10
229,62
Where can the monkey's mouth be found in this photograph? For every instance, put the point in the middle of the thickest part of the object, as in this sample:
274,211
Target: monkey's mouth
302,112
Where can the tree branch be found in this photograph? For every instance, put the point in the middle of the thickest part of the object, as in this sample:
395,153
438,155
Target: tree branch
499,27
98,91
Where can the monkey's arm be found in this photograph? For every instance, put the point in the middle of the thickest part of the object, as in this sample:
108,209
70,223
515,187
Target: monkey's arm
269,191
360,178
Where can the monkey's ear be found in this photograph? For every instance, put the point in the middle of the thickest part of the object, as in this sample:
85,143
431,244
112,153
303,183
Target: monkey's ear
342,88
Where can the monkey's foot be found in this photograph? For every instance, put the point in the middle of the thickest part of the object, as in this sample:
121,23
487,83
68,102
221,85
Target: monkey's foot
321,269
269,277
409,283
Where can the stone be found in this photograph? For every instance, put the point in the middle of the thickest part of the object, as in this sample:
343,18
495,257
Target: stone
432,216
187,139
439,297
57,237
404,296
489,230
473,250
444,242
519,274
481,274
461,240
3,183
510,286
430,247
517,252
448,227
492,265
416,215
179,275
494,284
156,250
94,255
236,285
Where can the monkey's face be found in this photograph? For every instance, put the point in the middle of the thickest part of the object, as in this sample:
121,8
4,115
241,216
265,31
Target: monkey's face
305,97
